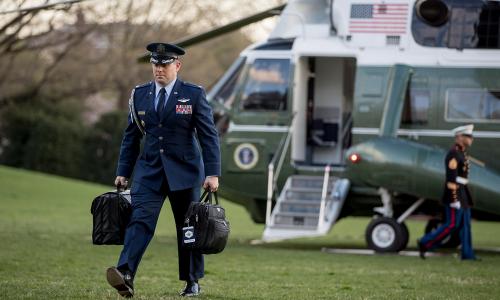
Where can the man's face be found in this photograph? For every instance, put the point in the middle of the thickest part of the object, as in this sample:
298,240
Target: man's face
165,73
465,140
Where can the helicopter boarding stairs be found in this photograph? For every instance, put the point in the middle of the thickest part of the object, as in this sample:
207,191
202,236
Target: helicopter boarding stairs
308,206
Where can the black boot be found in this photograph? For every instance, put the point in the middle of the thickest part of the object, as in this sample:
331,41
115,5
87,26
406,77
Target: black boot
192,289
421,249
123,282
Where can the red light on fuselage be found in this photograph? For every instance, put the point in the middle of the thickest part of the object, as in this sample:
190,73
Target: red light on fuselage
354,158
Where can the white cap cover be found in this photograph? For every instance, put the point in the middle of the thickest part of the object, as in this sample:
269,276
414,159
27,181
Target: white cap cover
464,130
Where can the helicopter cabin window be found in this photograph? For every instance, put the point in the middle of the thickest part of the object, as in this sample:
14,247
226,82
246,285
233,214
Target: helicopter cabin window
416,107
460,25
266,85
479,105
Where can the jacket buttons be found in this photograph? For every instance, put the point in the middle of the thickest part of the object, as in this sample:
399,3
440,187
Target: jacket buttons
160,138
161,150
159,125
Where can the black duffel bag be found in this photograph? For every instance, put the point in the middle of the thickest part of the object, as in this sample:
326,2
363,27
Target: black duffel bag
206,228
111,213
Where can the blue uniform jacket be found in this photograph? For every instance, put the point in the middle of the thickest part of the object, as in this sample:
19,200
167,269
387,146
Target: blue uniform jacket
457,165
170,144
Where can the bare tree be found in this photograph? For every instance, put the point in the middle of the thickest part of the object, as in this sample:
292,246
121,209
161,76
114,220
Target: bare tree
92,47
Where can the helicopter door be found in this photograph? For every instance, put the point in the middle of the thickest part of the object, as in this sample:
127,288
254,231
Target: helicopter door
324,101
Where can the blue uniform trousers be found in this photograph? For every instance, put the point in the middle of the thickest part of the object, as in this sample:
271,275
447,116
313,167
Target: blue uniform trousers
455,219
466,236
146,206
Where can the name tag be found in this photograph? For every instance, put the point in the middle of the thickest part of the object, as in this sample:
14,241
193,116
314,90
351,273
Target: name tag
184,109
141,113
188,235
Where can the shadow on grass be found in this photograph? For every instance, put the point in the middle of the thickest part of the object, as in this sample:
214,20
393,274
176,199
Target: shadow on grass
308,245
318,246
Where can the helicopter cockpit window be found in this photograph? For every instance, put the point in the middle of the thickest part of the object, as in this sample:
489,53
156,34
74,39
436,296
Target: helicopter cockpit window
226,94
478,105
416,107
459,25
266,85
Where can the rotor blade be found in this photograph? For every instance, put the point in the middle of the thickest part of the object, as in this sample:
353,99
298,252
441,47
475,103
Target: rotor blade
201,37
39,7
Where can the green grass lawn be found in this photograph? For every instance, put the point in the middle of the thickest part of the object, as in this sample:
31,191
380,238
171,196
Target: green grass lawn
46,253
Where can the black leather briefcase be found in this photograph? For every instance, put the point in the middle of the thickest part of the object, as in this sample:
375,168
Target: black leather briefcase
111,213
206,228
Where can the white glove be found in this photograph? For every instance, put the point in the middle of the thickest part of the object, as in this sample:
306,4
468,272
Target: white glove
455,205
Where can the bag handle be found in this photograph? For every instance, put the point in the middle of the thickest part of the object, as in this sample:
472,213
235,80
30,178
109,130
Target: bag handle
188,214
206,197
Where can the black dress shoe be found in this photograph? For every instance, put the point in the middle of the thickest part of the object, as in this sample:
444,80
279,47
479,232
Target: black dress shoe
122,282
421,249
475,258
192,289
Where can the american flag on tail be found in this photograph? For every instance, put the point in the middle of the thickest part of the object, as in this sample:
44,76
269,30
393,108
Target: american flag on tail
385,18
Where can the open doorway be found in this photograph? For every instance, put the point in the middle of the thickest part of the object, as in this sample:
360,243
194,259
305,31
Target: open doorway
323,102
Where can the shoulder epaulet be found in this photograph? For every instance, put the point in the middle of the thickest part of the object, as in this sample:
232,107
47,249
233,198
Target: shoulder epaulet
192,85
140,86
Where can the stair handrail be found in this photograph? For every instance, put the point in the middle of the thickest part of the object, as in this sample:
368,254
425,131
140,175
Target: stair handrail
272,177
324,190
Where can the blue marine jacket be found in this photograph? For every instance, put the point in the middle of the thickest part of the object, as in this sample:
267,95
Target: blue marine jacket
170,144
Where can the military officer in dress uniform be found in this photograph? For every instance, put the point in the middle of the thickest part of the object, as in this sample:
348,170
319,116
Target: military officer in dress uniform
168,114
456,198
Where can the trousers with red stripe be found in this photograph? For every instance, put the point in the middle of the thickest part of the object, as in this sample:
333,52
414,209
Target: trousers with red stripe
456,219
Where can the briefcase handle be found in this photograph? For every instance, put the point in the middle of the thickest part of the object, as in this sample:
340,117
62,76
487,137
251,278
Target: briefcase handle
207,197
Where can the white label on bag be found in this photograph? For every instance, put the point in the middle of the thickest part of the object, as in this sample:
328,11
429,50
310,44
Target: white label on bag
188,235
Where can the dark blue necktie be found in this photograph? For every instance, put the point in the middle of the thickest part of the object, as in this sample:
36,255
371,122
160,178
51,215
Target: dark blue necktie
161,101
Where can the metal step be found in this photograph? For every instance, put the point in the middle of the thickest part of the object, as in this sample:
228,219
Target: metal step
283,232
297,211
305,195
296,219
292,227
307,181
300,206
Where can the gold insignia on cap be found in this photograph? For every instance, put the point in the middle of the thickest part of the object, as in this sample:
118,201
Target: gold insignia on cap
160,48
453,164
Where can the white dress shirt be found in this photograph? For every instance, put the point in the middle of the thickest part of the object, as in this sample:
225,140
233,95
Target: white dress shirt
168,90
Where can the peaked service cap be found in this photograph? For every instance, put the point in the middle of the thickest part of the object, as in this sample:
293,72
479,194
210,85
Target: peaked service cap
164,53
464,130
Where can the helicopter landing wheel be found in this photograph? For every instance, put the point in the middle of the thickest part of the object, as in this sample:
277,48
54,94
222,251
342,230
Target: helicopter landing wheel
385,234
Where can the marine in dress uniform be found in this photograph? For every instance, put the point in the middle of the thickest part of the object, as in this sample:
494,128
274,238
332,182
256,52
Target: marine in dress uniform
171,114
456,198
